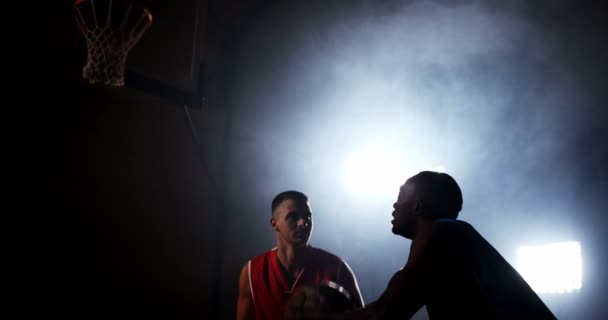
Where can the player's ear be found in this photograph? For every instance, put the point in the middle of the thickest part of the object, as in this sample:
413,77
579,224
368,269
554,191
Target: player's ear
273,223
418,208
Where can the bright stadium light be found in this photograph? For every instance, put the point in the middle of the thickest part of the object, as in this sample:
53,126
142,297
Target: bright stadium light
378,172
374,173
551,268
438,168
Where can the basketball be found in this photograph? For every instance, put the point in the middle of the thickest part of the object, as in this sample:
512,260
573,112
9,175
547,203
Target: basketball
336,297
312,297
326,296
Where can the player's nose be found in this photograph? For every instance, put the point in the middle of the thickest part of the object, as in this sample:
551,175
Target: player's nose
302,222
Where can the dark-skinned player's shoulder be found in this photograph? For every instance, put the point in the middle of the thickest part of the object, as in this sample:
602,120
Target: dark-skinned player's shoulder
448,234
442,228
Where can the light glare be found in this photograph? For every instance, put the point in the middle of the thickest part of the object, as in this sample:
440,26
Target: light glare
378,173
374,173
551,268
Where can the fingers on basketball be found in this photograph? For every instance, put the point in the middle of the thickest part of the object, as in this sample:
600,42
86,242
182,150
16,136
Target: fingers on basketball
313,297
306,303
296,301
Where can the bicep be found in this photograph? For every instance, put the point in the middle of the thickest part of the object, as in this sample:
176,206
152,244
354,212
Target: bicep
245,308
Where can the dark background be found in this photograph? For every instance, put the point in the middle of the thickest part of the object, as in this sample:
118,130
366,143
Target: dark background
508,96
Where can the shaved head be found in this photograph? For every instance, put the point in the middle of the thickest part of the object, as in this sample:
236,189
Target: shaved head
287,195
438,192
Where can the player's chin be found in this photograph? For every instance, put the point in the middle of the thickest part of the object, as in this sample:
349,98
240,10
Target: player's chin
402,232
301,237
396,230
300,242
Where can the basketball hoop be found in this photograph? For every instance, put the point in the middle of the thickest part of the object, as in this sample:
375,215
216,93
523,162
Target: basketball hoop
111,28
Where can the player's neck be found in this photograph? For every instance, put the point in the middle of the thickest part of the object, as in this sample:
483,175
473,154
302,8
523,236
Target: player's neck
423,225
291,257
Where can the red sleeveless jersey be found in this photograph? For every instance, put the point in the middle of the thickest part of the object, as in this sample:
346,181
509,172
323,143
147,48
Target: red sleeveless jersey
269,288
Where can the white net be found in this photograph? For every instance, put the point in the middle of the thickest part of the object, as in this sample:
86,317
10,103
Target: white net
111,28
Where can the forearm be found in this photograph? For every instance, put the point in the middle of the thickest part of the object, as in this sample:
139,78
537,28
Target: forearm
369,312
400,300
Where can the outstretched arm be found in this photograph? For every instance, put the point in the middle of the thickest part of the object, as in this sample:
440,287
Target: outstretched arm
244,307
401,299
405,292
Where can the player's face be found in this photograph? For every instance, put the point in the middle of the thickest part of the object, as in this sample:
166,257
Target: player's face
293,222
404,215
